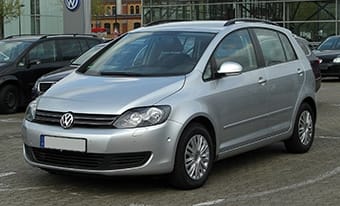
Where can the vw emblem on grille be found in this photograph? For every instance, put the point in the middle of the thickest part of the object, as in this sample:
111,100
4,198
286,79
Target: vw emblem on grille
72,4
66,121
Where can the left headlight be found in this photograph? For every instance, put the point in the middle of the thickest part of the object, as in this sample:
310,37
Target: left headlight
30,111
336,60
143,117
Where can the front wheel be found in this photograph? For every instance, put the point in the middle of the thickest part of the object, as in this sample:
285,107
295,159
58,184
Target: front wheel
194,158
303,134
9,99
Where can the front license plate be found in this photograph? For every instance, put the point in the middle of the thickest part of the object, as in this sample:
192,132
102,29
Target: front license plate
63,143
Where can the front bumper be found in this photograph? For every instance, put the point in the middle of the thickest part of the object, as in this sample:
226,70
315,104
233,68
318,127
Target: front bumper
330,70
149,150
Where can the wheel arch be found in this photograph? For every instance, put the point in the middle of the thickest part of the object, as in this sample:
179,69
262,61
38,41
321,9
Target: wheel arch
206,122
310,101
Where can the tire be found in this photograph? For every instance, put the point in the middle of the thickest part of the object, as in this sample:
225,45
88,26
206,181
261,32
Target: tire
194,173
9,99
301,142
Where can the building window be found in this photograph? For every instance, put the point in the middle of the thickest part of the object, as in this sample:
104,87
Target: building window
116,27
108,11
136,25
35,17
132,10
137,10
114,10
107,26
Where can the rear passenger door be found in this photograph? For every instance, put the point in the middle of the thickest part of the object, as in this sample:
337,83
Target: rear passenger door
285,75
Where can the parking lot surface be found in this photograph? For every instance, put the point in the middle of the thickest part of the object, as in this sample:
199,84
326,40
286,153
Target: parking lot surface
268,176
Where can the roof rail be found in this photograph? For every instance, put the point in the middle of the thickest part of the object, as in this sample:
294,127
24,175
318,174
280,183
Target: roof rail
17,35
233,21
163,22
50,35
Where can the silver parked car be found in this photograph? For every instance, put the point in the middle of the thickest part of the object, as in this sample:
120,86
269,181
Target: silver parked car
174,98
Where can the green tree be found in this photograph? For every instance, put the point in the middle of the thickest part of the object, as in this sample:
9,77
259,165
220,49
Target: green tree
9,9
97,9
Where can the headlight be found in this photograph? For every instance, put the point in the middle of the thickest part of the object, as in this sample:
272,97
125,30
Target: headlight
143,117
30,111
336,60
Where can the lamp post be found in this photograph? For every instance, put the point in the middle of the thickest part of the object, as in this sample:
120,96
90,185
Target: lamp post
20,6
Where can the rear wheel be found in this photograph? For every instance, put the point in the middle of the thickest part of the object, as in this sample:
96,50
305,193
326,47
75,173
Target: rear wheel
303,134
194,158
9,99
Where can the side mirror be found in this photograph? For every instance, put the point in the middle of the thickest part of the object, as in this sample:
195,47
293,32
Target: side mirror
230,69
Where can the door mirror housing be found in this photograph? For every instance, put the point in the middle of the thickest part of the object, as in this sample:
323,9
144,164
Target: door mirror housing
230,69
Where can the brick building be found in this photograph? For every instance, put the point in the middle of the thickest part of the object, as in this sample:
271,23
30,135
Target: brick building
119,16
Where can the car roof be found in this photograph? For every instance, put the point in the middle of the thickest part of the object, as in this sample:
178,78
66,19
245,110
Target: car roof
38,37
212,26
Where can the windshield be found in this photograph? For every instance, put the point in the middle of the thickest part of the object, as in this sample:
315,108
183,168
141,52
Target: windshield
82,58
151,54
10,50
330,44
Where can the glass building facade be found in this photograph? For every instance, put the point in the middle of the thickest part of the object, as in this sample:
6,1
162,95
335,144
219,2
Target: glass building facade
313,20
37,17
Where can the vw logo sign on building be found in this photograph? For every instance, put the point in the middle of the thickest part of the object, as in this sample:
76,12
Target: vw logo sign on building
66,121
72,5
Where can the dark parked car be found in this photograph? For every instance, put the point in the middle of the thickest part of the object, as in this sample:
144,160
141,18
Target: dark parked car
313,59
47,80
329,53
23,59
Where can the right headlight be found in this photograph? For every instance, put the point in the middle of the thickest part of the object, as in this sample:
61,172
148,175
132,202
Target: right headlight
30,111
143,117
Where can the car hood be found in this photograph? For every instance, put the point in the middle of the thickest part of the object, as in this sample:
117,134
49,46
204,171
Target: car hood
80,93
57,75
327,53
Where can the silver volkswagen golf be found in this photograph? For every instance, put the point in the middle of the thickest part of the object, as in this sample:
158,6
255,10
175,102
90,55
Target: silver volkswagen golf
174,98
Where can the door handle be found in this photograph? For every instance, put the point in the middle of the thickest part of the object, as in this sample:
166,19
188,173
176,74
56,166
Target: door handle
262,81
300,72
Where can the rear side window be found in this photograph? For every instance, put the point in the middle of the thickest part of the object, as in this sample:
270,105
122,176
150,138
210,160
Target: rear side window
44,52
304,47
69,49
271,46
288,49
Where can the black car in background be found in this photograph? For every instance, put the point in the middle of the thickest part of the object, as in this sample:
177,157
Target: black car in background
47,80
23,59
313,59
329,52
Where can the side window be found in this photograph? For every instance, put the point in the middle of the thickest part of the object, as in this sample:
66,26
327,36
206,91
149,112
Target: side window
236,47
271,46
69,49
304,47
44,52
83,44
288,49
93,42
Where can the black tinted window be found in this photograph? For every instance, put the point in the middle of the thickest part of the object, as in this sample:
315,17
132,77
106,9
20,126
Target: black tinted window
328,44
92,42
69,48
44,52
